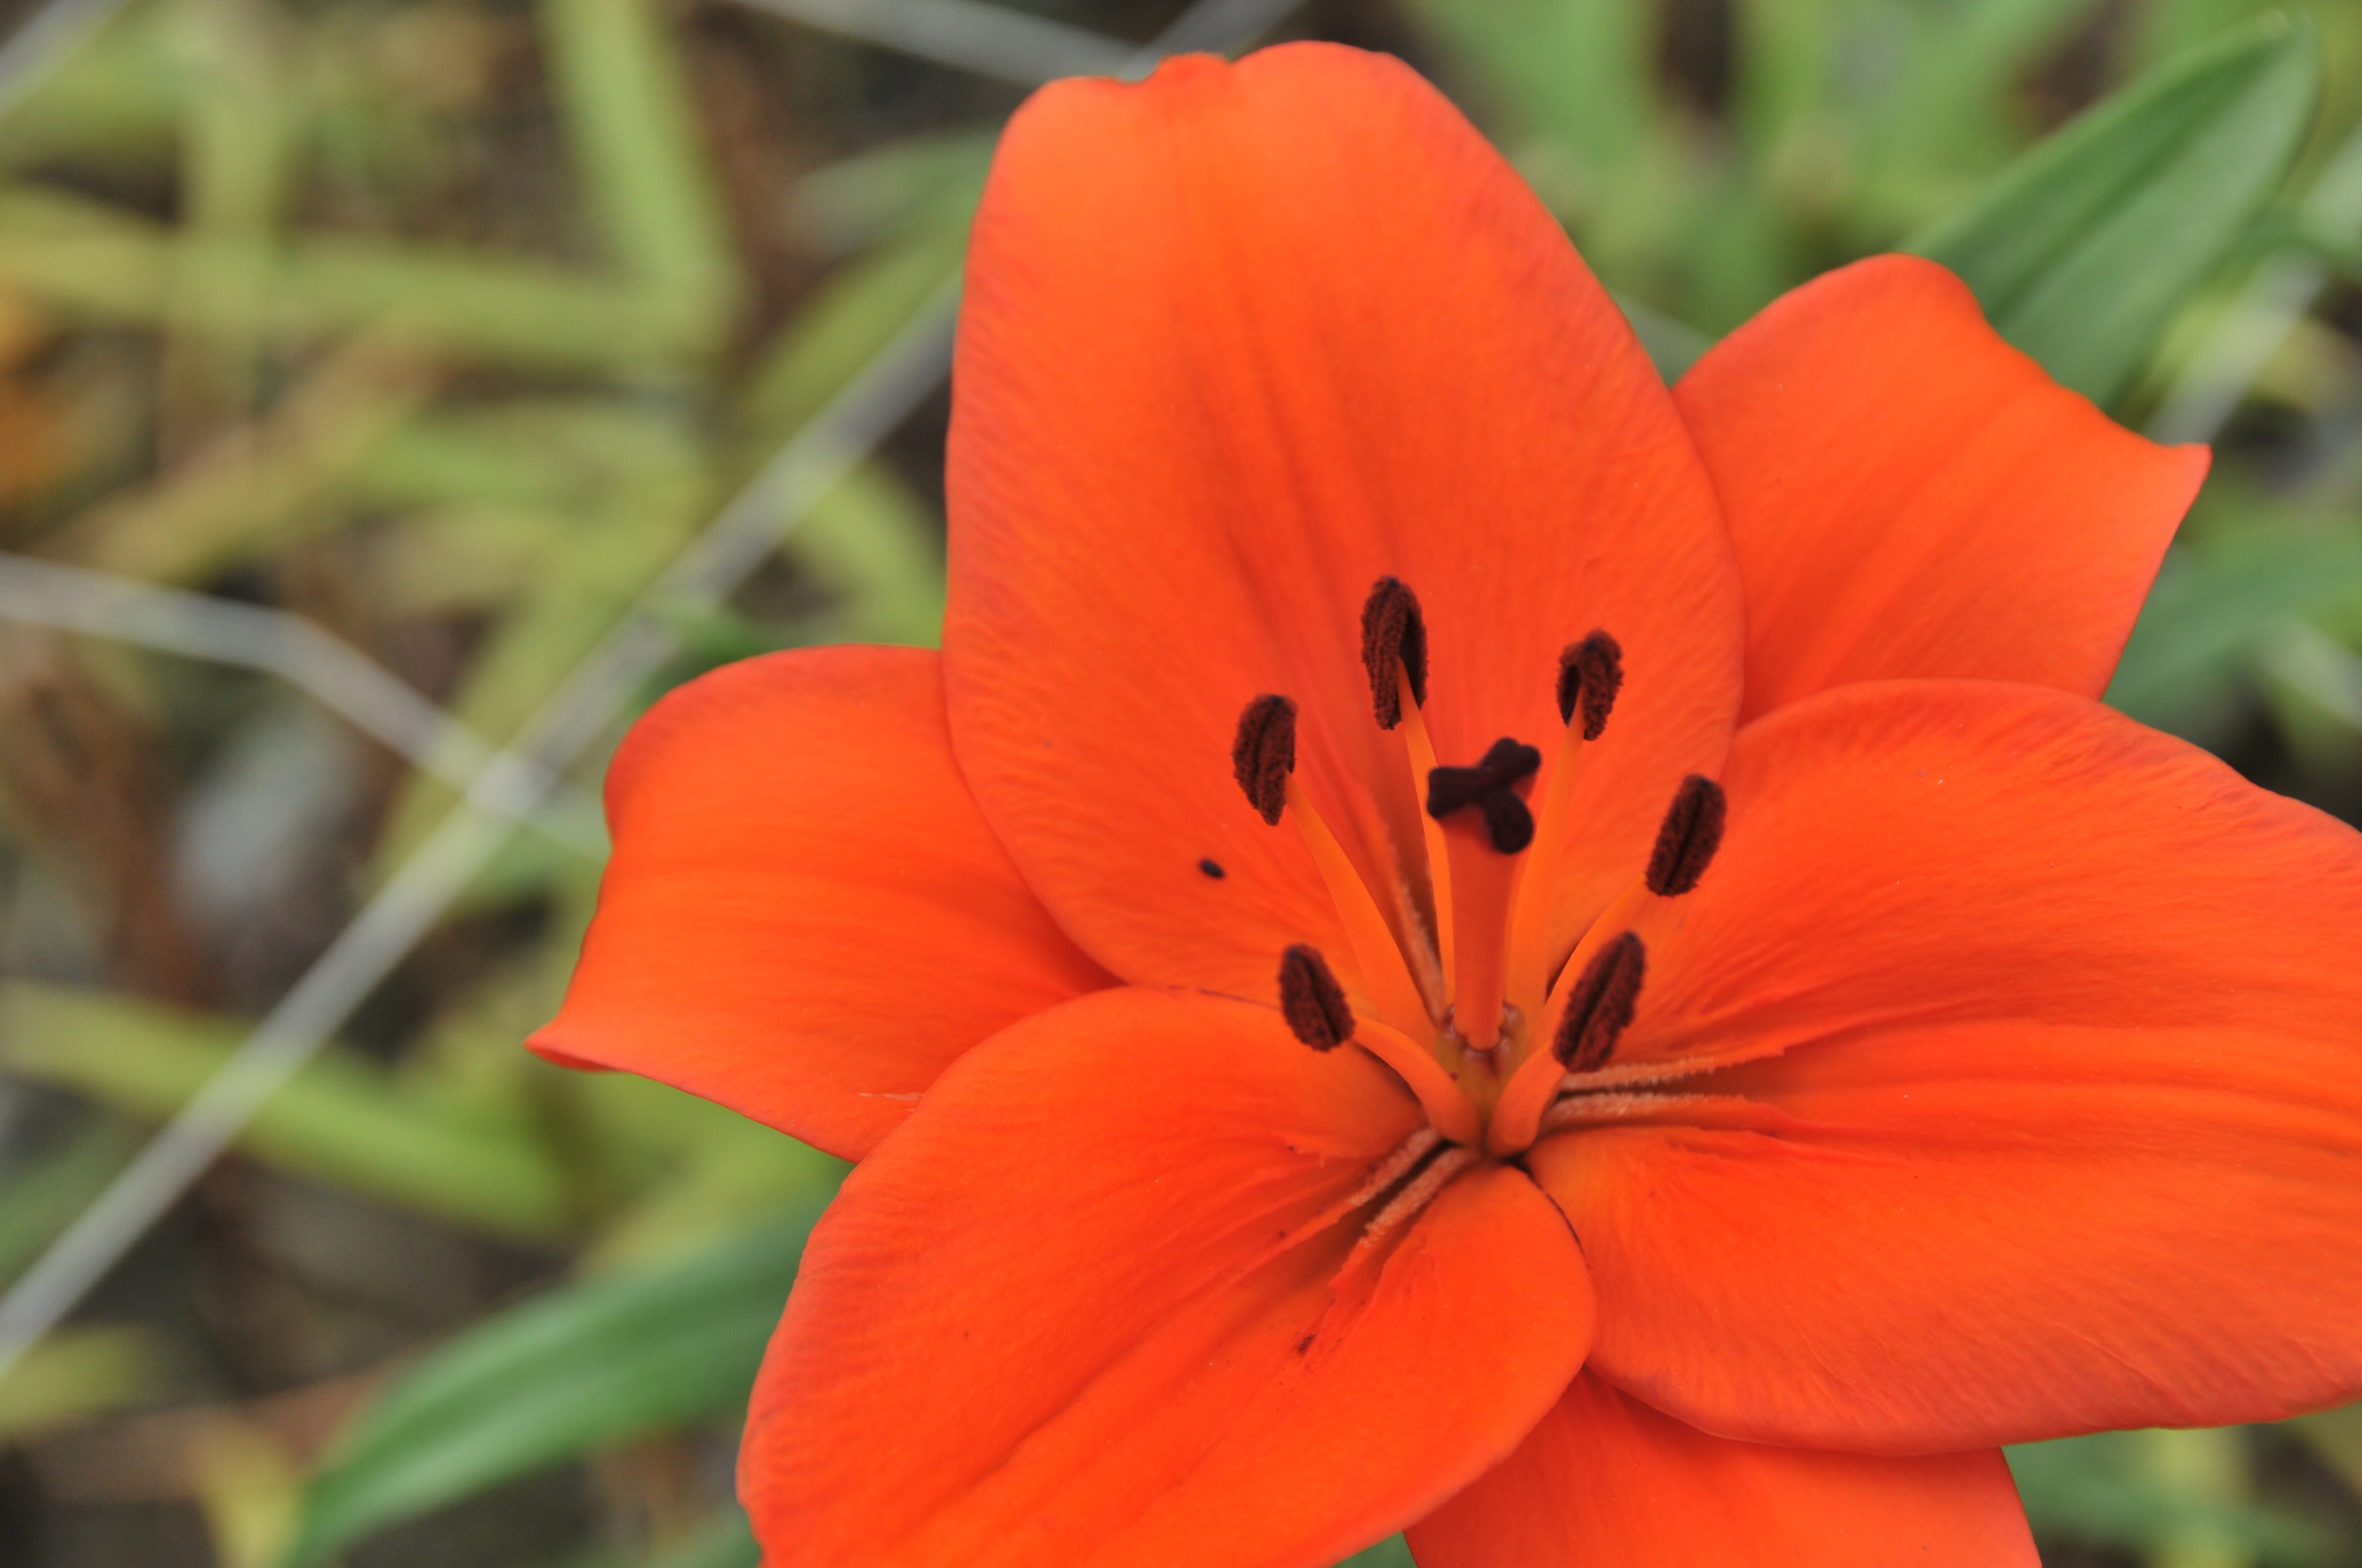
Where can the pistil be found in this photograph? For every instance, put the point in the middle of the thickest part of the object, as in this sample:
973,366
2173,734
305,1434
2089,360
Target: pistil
1486,826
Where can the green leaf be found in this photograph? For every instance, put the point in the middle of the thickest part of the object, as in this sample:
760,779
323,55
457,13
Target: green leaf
725,1543
876,544
1392,1552
593,1364
621,81
339,1121
79,1373
1672,345
2171,1496
918,185
2082,250
1576,71
845,324
2216,603
99,263
37,1204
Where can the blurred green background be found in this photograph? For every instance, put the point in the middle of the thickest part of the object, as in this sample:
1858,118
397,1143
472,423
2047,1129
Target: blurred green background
448,324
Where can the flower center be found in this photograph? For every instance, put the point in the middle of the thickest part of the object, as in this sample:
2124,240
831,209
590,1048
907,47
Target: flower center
1485,1020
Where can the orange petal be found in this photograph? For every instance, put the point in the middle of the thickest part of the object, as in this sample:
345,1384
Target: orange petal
2065,1128
1238,341
1910,496
1091,1305
805,919
1606,1479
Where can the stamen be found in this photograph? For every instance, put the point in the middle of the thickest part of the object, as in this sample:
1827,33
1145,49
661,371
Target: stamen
1591,1110
1264,754
1601,1006
1590,673
1406,1205
1385,973
1686,843
1311,1000
1263,760
1448,1108
1595,1008
1491,788
1421,753
1393,634
1394,1167
1483,876
1316,1012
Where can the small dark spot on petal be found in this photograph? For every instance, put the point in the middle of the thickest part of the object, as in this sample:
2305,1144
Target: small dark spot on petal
1212,868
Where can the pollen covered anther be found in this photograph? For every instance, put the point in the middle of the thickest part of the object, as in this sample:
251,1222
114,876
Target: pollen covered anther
1491,787
1686,843
1590,674
1601,1006
1393,635
1264,754
1311,1000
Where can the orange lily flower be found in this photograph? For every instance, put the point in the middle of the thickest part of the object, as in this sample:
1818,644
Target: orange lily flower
1458,942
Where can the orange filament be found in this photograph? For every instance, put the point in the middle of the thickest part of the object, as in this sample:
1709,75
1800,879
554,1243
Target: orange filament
1616,918
1422,756
1517,1117
1394,1167
1405,1205
1447,1108
1392,991
1591,1109
1484,879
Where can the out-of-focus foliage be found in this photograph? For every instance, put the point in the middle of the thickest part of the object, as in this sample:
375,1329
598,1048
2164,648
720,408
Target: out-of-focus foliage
2082,250
448,323
610,1359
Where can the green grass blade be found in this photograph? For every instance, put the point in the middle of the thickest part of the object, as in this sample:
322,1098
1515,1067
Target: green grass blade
96,262
2082,250
622,86
2214,605
1576,71
725,1543
37,1202
593,1364
80,1373
339,1121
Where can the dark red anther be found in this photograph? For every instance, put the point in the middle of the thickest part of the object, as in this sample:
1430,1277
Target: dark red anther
1590,673
1393,635
1264,754
1686,843
1311,1000
1601,1006
1492,787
